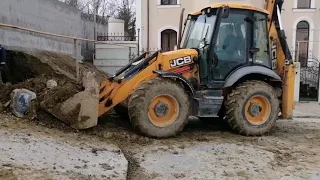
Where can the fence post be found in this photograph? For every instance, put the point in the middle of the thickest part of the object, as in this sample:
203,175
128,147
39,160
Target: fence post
138,53
129,54
76,60
298,51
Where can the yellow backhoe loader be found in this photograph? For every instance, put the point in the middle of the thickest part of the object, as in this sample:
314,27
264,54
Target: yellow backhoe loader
232,61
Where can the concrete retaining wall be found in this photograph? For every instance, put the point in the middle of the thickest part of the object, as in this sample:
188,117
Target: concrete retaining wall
50,16
110,58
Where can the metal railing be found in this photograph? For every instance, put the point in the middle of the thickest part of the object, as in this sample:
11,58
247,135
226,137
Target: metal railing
308,55
116,38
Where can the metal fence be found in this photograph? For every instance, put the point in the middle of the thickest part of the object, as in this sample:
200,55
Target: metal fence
112,37
116,37
307,54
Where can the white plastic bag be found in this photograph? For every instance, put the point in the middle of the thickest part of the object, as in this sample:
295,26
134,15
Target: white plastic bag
21,101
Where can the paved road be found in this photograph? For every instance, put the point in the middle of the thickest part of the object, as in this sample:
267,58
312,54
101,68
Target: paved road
311,109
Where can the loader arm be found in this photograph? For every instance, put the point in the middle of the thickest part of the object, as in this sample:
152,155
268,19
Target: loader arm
115,91
282,62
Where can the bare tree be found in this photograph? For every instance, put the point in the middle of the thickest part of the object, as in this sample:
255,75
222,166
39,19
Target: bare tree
103,8
73,3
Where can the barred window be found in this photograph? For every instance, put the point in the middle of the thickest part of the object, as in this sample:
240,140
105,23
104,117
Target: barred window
168,2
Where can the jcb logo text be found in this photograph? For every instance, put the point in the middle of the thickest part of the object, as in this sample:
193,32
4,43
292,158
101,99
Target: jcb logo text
274,55
180,62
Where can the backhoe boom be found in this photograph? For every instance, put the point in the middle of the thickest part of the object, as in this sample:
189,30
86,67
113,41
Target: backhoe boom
282,62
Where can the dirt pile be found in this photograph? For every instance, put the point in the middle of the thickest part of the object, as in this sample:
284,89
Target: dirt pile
64,90
32,70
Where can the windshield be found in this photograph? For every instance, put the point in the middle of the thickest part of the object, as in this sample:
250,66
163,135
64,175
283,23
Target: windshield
199,30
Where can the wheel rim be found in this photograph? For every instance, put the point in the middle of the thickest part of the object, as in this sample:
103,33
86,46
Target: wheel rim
163,110
258,110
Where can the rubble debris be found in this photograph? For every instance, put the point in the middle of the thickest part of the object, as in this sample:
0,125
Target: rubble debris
51,84
7,104
21,101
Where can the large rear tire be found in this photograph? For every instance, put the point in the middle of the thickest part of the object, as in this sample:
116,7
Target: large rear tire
159,108
252,108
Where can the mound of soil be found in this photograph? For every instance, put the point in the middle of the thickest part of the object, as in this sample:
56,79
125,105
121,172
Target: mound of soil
32,70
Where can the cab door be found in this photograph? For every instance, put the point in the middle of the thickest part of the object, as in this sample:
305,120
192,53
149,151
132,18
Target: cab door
261,42
231,47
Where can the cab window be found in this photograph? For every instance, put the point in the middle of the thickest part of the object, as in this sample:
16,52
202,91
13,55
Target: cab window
231,45
260,40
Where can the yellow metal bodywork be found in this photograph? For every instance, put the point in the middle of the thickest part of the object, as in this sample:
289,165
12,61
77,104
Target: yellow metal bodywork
288,103
233,6
285,71
115,93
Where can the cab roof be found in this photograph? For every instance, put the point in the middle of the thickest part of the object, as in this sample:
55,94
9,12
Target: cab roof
233,6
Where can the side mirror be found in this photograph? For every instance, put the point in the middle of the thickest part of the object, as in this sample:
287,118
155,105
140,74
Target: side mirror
225,12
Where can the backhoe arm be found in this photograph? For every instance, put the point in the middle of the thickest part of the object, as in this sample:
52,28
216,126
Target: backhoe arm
282,61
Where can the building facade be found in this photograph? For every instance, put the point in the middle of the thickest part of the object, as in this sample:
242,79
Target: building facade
158,20
158,24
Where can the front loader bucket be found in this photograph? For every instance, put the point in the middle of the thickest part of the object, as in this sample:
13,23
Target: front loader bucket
81,110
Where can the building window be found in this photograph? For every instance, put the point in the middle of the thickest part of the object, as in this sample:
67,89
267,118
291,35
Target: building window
302,39
168,39
304,4
169,2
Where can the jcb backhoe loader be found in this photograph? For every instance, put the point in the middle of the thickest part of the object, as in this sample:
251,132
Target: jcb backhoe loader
232,61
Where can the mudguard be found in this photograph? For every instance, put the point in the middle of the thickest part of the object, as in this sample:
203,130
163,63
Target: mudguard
182,79
243,71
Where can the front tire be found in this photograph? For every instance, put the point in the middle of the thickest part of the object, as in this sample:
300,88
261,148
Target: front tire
159,108
252,108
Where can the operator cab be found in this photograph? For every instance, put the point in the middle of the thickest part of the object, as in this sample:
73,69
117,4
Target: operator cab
227,37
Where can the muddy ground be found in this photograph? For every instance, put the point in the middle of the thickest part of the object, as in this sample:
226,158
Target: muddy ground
42,147
202,151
